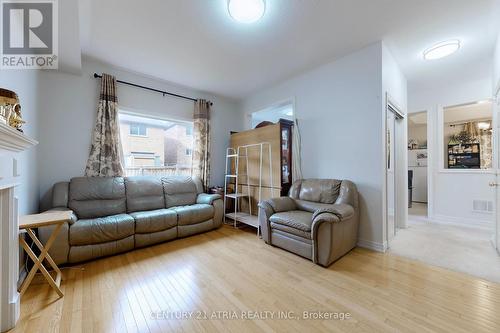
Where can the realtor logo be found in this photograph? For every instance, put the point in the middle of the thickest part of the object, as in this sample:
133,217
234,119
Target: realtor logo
29,37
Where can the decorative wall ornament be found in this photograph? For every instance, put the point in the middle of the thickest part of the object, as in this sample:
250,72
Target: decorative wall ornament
10,109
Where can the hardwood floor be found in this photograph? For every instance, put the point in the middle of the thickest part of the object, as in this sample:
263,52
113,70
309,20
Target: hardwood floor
230,273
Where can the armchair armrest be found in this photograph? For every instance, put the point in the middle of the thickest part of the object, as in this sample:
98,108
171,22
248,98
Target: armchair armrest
283,204
341,211
204,198
334,233
268,208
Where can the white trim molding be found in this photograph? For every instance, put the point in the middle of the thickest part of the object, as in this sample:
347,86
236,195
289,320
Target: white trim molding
11,140
371,245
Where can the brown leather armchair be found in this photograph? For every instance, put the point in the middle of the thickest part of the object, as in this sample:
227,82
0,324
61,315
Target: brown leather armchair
318,220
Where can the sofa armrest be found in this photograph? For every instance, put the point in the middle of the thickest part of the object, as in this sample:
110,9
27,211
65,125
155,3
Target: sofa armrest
341,211
283,204
204,198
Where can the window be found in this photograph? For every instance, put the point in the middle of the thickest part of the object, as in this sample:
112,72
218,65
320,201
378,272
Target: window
166,150
138,129
467,135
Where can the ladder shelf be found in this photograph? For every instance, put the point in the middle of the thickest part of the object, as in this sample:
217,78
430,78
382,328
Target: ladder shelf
237,153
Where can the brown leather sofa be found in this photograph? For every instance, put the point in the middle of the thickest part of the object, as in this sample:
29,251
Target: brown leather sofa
318,220
114,215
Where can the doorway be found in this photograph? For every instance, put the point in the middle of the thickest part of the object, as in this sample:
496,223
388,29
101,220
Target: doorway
418,183
395,170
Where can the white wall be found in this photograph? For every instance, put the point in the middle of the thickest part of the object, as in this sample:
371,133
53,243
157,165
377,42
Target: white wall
452,192
496,66
338,106
69,108
26,84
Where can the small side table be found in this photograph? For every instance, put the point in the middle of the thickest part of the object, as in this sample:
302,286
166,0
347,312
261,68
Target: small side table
26,224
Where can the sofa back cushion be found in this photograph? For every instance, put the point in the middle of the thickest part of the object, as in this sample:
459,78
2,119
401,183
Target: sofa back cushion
179,191
316,190
91,197
144,193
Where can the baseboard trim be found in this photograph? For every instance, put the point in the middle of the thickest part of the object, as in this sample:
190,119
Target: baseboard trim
462,222
22,275
371,245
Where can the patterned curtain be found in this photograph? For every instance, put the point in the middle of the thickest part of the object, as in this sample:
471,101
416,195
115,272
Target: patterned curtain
201,144
105,159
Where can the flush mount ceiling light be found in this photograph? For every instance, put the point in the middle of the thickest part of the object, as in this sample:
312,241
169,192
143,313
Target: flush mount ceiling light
246,11
442,50
483,125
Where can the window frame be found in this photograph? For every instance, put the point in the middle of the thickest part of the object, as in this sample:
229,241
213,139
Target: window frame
129,112
442,144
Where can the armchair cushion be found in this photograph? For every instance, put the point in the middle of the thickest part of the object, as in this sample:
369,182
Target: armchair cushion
289,230
207,199
295,219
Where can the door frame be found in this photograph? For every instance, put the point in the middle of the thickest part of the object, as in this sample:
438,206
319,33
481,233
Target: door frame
400,168
496,164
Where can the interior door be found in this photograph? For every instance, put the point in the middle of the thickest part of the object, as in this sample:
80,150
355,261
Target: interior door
391,175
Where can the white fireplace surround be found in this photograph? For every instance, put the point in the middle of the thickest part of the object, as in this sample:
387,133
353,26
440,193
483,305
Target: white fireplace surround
12,143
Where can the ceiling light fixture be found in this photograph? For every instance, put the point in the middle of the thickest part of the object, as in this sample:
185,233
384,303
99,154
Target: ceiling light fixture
442,50
246,11
483,125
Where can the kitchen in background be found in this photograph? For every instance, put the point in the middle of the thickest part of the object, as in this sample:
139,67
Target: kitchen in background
417,163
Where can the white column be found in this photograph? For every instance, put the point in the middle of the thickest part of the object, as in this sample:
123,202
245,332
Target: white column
9,259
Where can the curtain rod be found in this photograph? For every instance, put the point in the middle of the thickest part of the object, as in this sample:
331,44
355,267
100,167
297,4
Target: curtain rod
152,89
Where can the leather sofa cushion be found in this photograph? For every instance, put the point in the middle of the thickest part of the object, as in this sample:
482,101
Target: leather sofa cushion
101,230
154,220
179,191
320,190
193,214
144,193
296,219
87,252
91,197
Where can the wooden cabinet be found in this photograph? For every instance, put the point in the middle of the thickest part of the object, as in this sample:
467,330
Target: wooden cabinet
279,137
286,155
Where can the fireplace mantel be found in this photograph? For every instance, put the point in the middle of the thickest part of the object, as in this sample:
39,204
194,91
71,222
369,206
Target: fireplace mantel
12,143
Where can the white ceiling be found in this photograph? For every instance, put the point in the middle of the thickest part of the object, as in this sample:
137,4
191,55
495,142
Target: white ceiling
195,42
